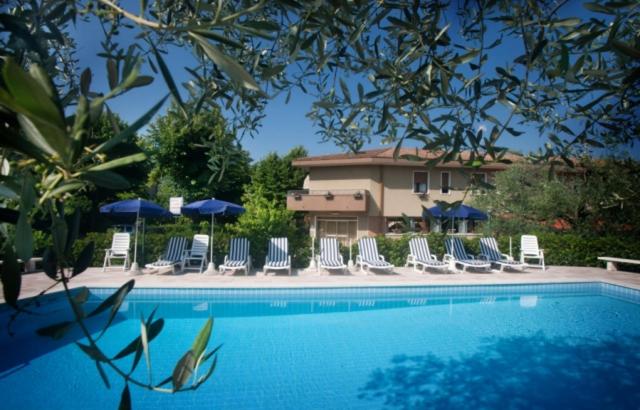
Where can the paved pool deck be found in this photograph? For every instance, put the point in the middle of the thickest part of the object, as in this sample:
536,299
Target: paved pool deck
34,283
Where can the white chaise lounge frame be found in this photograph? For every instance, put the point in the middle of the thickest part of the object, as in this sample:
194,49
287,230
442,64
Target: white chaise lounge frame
459,256
529,249
172,256
419,255
239,257
368,256
330,257
120,244
490,251
278,257
198,253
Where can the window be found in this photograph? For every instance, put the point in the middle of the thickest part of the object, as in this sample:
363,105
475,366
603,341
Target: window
342,229
444,183
478,177
420,182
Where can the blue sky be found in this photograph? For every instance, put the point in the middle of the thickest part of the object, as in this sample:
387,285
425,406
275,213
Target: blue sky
284,126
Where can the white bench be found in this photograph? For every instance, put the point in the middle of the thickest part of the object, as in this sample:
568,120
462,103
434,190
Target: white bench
612,263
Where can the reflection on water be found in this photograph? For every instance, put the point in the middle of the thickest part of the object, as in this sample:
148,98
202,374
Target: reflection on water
293,306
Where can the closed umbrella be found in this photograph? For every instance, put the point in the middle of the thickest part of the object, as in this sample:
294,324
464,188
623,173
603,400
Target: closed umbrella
138,208
211,207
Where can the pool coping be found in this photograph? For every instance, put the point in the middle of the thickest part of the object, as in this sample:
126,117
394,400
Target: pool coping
405,277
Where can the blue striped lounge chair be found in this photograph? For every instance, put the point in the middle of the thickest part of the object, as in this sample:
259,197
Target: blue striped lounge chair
278,255
369,258
330,257
238,257
419,255
172,256
489,251
197,253
457,253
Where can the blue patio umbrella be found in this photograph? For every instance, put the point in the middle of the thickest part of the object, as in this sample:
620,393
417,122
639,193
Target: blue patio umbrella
211,207
461,212
138,208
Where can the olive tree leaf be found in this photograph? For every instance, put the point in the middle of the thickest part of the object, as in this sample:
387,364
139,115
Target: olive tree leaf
113,302
50,263
112,73
106,179
227,64
93,352
24,234
84,259
85,81
168,78
10,276
119,162
130,130
74,231
185,367
183,370
125,398
201,341
55,331
103,375
24,238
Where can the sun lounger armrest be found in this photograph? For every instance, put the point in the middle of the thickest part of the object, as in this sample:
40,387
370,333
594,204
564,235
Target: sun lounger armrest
483,257
506,257
381,258
410,258
447,257
341,259
433,257
226,259
358,258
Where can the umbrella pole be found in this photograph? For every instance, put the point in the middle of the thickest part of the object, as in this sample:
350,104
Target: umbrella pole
211,267
135,269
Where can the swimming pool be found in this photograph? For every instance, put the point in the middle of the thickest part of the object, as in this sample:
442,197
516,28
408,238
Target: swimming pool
519,346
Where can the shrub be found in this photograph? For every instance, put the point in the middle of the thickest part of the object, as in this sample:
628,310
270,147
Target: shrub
266,219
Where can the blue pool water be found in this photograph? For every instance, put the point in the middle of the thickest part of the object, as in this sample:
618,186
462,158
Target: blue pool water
521,346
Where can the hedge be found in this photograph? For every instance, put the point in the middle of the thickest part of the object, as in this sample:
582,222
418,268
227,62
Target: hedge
560,248
566,249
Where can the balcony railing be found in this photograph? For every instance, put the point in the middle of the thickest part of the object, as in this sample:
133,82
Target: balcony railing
338,200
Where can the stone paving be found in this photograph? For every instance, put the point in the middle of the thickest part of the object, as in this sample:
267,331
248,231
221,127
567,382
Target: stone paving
33,283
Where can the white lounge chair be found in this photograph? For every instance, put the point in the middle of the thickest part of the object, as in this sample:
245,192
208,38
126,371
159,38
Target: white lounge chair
457,254
529,249
419,255
120,244
197,253
172,256
278,255
330,257
238,257
369,258
489,251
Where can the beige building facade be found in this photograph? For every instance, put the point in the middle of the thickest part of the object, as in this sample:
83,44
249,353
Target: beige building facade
353,195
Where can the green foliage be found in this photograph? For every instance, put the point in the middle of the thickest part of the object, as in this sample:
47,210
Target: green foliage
274,175
599,197
265,219
197,157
